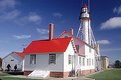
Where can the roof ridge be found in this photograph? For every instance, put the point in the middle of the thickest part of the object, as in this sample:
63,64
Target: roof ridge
52,39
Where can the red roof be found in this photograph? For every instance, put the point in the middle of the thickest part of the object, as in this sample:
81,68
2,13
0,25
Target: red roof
46,46
20,54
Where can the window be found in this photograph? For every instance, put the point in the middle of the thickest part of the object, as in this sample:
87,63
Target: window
88,62
69,59
33,59
80,60
92,62
89,49
77,48
83,63
12,59
52,58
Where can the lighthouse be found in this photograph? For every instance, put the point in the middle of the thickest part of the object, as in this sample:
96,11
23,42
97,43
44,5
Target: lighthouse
85,24
85,32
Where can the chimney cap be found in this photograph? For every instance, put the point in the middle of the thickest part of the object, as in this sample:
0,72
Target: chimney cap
51,24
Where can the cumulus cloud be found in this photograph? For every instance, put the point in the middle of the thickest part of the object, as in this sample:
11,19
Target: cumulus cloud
117,10
30,18
22,36
42,31
59,15
34,18
111,49
103,42
112,23
4,4
7,10
9,16
44,37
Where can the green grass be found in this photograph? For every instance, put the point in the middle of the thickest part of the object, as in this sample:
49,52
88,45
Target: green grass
113,74
5,76
13,78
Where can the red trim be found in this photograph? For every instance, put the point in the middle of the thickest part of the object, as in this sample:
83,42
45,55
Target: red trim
20,54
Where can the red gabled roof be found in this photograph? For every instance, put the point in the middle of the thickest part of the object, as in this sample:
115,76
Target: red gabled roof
46,46
20,54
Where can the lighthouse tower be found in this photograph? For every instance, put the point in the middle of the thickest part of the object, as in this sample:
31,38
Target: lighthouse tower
85,21
85,32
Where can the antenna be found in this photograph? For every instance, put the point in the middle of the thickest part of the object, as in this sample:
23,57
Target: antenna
89,5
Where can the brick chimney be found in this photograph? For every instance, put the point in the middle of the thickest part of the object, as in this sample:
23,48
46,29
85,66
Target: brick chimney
51,27
71,31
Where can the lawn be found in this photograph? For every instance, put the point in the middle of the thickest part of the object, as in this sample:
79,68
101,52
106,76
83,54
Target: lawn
112,74
5,76
11,78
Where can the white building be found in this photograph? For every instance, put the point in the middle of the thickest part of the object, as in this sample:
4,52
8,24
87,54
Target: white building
14,58
65,55
85,61
55,56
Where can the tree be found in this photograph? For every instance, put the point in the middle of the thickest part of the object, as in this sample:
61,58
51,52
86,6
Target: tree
0,62
117,64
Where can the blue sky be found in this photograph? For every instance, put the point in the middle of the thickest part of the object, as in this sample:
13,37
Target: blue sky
22,21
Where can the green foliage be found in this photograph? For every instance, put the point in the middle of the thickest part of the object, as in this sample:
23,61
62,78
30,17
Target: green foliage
113,74
0,62
117,64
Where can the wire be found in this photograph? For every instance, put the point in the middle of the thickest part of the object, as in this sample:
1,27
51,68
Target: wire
89,5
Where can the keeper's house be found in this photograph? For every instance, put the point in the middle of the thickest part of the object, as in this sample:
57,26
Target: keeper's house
14,58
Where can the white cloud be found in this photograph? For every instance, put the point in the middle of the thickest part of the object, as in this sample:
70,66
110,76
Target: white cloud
44,37
34,18
112,23
22,36
59,15
103,42
7,10
30,18
4,4
42,31
10,15
117,10
111,49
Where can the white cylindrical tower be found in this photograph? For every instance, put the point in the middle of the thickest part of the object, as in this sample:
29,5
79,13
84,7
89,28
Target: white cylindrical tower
85,23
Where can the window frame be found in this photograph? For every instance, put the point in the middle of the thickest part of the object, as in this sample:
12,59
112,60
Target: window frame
33,59
83,63
69,59
77,48
52,58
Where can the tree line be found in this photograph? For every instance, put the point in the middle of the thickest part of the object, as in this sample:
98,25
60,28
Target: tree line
117,64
